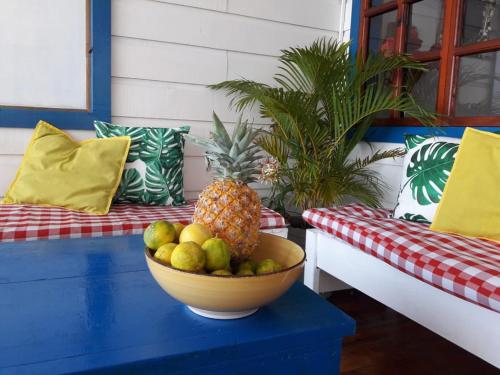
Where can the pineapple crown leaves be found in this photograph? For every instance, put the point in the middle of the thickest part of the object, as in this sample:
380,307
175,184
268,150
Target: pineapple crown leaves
231,156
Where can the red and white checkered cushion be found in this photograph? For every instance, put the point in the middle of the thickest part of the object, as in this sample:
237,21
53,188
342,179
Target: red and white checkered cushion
28,222
466,267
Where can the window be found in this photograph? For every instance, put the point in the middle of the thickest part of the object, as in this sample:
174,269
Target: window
458,40
55,63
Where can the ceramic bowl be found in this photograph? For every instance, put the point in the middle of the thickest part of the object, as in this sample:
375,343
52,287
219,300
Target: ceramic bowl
231,297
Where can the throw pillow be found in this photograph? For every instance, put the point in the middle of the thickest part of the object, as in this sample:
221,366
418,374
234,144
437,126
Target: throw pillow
471,204
153,173
426,167
58,171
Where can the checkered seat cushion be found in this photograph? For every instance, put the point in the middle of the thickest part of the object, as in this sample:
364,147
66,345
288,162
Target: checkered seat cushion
27,222
466,267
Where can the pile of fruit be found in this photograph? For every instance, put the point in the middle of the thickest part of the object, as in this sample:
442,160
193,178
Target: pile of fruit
226,219
193,248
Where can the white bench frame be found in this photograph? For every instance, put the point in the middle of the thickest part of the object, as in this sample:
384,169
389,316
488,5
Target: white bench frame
281,232
470,326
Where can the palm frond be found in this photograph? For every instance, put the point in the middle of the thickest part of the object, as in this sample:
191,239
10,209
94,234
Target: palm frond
321,105
243,93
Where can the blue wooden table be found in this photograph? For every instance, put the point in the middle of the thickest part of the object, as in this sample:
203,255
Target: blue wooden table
91,305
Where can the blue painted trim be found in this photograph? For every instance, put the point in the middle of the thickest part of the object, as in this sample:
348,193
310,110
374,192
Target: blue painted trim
355,18
395,134
100,85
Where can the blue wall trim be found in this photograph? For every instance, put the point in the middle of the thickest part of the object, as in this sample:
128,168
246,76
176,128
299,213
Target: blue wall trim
395,134
100,90
355,18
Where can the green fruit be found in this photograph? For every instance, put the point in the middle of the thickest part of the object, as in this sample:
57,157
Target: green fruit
222,273
195,232
188,256
164,252
218,254
248,265
245,272
178,229
159,233
268,266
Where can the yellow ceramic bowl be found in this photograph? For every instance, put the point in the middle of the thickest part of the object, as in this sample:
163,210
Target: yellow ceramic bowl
230,297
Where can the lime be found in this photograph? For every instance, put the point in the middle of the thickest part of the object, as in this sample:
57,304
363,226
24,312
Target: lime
268,266
188,256
222,273
178,229
159,233
164,252
245,272
218,254
248,265
196,233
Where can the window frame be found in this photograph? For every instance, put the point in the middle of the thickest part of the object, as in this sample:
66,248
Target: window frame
98,81
448,58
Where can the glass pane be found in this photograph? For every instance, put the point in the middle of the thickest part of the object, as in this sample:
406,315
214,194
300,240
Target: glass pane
481,20
478,86
383,115
423,85
375,3
425,26
382,33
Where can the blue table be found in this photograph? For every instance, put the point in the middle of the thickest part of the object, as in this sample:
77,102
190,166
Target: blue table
91,305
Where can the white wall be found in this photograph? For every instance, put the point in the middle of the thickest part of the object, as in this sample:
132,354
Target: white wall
390,169
165,52
346,27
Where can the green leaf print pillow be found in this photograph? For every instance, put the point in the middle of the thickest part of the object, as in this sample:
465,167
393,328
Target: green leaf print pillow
426,168
153,173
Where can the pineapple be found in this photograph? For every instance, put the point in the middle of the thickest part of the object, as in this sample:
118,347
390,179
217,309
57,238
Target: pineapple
228,206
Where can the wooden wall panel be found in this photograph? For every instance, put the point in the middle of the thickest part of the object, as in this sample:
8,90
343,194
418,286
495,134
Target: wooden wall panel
253,67
8,165
165,52
172,23
157,61
165,100
219,5
322,14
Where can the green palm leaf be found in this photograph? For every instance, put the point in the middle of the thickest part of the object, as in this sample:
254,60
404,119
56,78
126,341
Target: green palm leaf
412,141
131,187
156,184
173,150
175,186
321,106
106,130
415,218
152,145
163,144
428,171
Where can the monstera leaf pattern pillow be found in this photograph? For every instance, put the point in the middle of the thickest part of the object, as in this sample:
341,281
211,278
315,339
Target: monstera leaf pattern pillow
153,173
426,168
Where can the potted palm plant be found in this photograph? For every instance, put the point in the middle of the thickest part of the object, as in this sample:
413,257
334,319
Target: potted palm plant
321,106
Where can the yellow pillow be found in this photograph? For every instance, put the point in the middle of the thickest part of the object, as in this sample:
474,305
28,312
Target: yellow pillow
58,171
470,205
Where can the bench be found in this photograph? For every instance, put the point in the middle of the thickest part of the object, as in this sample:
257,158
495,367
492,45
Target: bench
447,283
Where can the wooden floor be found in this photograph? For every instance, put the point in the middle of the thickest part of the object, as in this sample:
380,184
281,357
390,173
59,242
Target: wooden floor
389,343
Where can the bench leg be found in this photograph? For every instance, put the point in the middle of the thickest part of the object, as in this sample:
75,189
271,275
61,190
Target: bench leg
311,271
314,277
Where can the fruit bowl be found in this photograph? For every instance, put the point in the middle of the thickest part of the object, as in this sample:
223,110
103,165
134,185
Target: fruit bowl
232,297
